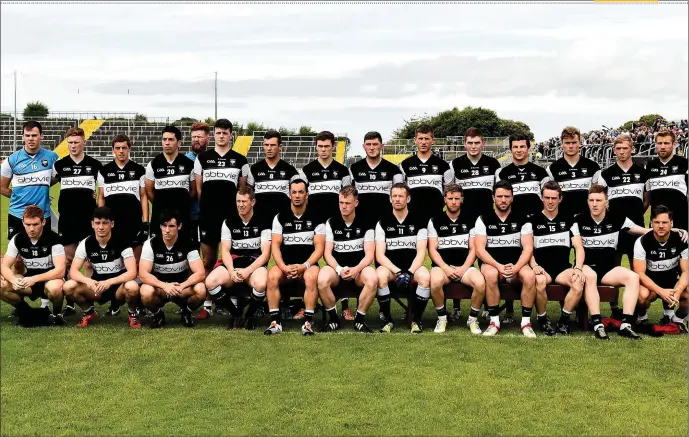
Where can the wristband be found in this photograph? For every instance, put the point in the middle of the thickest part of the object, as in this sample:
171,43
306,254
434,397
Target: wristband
577,268
307,265
338,270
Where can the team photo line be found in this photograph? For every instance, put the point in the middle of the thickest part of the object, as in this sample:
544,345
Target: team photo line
371,226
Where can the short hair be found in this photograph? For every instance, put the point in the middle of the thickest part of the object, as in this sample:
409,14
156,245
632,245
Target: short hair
325,136
168,214
247,190
552,185
33,211
505,185
519,137
122,138
570,132
273,134
102,212
623,138
665,133
298,180
201,126
597,189
349,190
424,129
223,123
75,132
29,125
473,132
660,209
173,129
452,187
373,135
401,186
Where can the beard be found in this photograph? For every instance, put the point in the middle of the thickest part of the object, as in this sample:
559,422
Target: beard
198,148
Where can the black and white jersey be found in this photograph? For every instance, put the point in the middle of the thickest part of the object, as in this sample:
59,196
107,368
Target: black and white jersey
552,241
374,186
600,239
526,182
477,181
453,237
220,178
348,239
575,182
503,237
625,189
77,188
271,185
298,234
425,181
245,238
37,255
662,259
324,186
667,183
108,260
172,189
121,190
401,238
170,264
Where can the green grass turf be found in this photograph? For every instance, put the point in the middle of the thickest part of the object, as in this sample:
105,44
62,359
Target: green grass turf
110,380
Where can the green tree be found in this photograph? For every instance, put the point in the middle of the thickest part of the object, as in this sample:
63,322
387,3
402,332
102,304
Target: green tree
511,127
306,130
35,110
649,119
209,121
253,126
140,117
287,132
186,120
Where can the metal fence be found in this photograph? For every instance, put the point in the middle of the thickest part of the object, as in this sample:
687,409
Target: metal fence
603,153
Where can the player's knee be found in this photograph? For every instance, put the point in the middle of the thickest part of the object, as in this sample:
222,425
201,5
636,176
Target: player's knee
323,280
131,288
369,278
259,282
383,274
577,288
490,273
147,294
422,277
631,278
69,289
541,281
199,290
590,275
53,291
437,277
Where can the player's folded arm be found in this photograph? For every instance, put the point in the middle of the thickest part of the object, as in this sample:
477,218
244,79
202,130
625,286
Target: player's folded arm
319,245
275,243
198,272
381,247
526,239
59,265
480,241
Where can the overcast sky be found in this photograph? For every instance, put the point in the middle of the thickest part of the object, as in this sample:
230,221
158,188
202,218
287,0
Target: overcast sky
351,68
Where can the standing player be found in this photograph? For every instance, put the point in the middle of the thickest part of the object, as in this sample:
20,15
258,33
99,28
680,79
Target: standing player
245,251
661,261
114,271
667,185
525,177
573,172
504,246
218,174
171,271
297,245
29,171
325,177
77,173
600,235
452,251
373,177
200,137
170,182
401,239
554,236
271,177
625,181
44,258
349,252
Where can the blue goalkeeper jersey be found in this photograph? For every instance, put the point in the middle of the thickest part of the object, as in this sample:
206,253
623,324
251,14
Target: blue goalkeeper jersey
30,179
195,203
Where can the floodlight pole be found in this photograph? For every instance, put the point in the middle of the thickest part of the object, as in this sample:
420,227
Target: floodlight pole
215,87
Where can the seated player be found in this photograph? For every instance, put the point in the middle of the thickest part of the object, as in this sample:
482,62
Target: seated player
401,239
554,236
114,271
452,252
245,249
171,270
297,245
349,251
504,246
600,235
44,259
661,261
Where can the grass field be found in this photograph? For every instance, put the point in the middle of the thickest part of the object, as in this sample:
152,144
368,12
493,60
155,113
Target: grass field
110,380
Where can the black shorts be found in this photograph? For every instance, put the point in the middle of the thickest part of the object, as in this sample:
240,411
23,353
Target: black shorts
109,294
625,246
210,228
73,231
193,229
601,270
554,270
15,226
38,291
242,262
